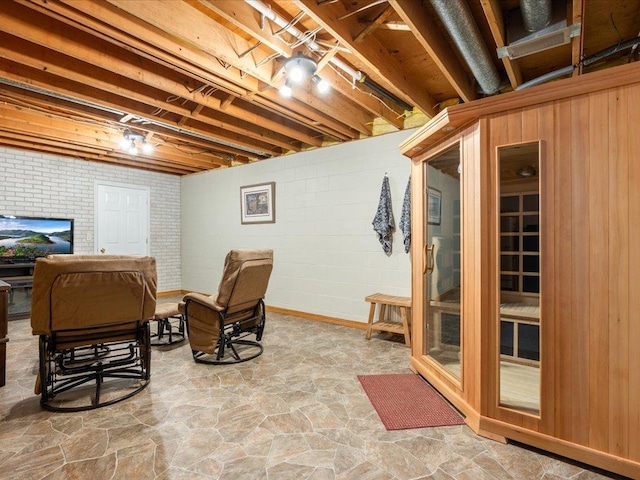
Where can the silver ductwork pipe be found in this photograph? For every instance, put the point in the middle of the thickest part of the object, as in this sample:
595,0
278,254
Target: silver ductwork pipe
464,31
536,14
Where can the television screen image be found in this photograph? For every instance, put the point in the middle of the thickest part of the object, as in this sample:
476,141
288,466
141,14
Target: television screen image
31,237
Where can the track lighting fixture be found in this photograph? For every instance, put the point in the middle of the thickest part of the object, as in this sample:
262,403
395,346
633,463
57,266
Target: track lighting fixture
298,68
129,145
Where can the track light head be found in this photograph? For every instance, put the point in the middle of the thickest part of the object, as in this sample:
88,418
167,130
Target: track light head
285,90
322,85
300,67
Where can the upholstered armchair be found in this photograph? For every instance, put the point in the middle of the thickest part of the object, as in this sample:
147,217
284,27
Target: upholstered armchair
218,325
91,313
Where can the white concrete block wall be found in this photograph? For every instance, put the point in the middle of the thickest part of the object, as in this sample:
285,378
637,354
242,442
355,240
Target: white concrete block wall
42,185
327,256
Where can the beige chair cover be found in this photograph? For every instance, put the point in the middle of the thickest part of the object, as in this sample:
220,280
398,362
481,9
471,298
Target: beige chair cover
244,283
72,293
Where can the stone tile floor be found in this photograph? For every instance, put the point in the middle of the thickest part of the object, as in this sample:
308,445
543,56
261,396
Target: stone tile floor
296,412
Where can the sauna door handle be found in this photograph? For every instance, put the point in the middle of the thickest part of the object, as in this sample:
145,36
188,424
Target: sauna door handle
428,261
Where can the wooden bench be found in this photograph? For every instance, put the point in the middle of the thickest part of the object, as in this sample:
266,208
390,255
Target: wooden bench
383,325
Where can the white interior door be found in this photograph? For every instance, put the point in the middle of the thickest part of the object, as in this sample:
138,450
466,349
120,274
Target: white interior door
122,219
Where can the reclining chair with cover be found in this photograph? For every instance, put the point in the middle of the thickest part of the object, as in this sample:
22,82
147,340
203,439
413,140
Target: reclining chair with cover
218,325
92,314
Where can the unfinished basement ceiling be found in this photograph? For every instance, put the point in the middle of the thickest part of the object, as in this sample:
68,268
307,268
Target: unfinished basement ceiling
199,79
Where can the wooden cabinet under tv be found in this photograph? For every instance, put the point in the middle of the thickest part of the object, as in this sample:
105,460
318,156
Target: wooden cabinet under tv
586,312
19,275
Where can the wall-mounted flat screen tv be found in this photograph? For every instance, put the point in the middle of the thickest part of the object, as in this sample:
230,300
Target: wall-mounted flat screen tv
32,237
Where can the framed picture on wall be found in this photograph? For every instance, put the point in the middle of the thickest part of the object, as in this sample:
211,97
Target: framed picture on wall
434,206
257,203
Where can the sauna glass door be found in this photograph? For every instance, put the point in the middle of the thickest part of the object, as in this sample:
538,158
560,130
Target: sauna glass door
519,277
442,261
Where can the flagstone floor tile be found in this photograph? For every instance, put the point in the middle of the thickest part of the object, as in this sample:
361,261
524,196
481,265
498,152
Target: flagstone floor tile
296,412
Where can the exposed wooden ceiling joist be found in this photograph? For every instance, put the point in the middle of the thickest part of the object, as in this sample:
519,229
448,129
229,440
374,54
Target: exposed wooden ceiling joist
248,19
200,78
371,53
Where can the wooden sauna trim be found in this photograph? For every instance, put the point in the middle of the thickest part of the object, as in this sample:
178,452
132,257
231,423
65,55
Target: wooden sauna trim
583,454
450,120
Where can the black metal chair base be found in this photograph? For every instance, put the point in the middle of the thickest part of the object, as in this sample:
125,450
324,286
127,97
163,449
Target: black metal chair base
248,350
88,377
168,332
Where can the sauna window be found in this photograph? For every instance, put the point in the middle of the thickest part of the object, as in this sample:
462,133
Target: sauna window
520,242
519,266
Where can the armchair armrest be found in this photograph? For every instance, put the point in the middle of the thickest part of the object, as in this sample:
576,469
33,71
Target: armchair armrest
204,300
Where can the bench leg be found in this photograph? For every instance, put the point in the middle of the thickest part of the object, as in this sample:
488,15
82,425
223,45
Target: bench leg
405,325
383,309
372,311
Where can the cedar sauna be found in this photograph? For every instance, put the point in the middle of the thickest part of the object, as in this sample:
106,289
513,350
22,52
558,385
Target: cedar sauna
526,265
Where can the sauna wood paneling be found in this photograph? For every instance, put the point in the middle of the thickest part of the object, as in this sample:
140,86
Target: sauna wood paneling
598,269
627,133
548,273
618,257
576,248
588,268
471,207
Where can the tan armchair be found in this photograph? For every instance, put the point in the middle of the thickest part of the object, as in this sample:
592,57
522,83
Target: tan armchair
91,313
218,325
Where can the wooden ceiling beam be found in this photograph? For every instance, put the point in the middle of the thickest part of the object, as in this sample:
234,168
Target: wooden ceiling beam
192,27
577,42
426,31
80,113
371,53
61,84
90,137
23,141
373,26
245,17
123,73
100,18
495,18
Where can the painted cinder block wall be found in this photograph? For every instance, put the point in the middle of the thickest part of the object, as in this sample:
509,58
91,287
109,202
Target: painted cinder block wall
327,256
43,185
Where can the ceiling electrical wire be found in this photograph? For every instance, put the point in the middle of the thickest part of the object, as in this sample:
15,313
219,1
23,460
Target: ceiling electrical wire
616,29
291,23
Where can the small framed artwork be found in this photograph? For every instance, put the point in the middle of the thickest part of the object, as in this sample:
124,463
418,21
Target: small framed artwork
434,206
257,203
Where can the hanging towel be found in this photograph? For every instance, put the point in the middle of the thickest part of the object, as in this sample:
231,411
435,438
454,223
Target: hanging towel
383,223
405,218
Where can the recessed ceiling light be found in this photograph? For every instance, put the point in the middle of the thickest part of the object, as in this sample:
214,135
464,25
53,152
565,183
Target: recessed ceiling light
526,171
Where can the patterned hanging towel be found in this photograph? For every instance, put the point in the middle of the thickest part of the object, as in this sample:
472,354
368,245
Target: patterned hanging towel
405,218
383,222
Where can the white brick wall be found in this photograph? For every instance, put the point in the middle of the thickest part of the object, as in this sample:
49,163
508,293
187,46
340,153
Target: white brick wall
36,184
327,256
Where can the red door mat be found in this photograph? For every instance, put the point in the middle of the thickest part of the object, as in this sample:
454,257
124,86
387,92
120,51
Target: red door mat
406,401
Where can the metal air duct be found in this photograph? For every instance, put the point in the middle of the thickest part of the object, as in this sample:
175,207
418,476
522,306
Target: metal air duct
536,14
465,33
